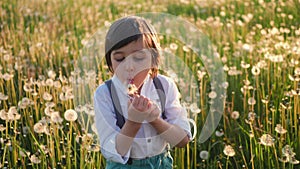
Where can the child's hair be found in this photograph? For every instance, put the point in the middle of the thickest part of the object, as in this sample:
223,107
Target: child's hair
129,29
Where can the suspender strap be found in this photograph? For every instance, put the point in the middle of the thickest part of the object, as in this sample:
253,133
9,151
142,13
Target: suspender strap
117,106
161,95
116,103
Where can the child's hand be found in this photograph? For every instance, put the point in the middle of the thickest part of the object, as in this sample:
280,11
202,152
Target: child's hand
154,113
141,108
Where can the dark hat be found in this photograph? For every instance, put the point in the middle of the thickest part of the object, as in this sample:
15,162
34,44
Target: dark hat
126,27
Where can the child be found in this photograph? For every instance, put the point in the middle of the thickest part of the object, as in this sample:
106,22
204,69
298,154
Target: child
137,112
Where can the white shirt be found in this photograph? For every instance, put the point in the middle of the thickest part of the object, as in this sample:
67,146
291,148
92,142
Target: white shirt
146,143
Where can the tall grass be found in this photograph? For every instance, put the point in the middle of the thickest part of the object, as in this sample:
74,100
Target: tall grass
43,124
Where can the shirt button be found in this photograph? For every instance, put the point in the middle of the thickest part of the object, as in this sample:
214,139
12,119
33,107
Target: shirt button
149,140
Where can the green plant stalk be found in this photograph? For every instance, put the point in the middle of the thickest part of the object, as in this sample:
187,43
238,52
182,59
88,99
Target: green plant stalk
277,163
69,145
52,149
75,153
4,154
82,154
14,143
188,156
227,160
195,146
296,109
251,149
14,96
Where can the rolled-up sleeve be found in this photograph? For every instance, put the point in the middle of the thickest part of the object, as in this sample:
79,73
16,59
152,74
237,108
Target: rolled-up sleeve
105,121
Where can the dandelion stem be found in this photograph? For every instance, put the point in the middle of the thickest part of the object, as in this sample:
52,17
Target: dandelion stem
277,163
227,160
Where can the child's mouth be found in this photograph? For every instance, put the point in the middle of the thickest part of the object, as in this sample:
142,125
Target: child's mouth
131,88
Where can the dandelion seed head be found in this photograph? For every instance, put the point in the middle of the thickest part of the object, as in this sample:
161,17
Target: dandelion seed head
70,115
185,48
35,159
47,96
7,76
173,46
247,47
194,108
229,151
279,129
219,133
251,101
39,127
23,153
87,139
57,84
13,114
51,74
255,70
3,96
62,97
235,115
24,103
93,148
3,114
204,155
225,85
288,155
200,74
234,72
212,95
50,104
49,82
251,116
69,94
55,117
297,71
2,128
245,65
267,140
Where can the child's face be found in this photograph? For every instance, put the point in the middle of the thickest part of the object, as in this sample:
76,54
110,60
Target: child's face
132,62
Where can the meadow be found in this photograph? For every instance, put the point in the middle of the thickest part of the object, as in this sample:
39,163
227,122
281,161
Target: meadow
46,122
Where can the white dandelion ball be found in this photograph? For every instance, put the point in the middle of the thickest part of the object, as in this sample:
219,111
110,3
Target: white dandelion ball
71,115
204,155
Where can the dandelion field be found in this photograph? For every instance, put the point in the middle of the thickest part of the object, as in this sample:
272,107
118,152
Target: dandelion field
258,42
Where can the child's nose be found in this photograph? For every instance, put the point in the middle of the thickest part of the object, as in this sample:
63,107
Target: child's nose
129,65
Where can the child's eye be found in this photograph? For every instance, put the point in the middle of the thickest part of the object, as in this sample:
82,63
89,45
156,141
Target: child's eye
138,58
120,59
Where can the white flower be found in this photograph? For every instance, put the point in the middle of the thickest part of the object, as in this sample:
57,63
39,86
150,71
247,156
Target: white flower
51,74
39,127
267,140
70,115
34,159
194,108
173,46
235,115
255,70
212,95
279,129
229,151
288,155
204,155
2,128
47,96
55,117
3,96
219,133
251,101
